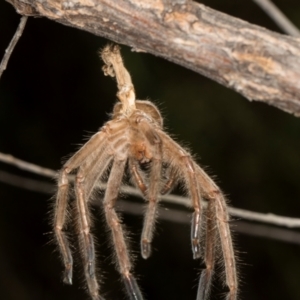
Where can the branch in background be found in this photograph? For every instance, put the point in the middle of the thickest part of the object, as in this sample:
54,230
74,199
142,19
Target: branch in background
24,165
258,230
173,199
170,215
278,17
257,63
12,44
179,216
26,183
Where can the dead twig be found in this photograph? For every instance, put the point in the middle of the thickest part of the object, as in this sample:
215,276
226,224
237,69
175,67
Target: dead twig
12,44
278,17
178,216
267,218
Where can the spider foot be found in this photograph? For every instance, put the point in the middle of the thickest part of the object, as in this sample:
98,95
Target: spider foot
196,248
204,285
93,288
97,297
145,248
132,288
90,255
195,235
91,269
68,274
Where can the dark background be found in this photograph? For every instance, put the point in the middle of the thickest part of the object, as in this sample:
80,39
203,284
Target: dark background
53,93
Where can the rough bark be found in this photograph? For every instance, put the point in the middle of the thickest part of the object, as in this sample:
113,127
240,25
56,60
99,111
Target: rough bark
257,63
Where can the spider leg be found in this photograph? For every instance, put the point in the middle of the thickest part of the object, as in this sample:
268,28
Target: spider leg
181,161
86,179
138,178
169,184
152,191
209,253
115,138
85,237
196,177
194,189
60,215
114,223
151,212
221,216
151,194
147,146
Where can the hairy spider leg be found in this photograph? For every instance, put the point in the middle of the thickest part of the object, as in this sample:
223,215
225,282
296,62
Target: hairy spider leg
152,194
98,166
181,161
96,170
209,253
151,212
140,182
171,181
213,193
86,179
61,215
136,175
86,240
115,226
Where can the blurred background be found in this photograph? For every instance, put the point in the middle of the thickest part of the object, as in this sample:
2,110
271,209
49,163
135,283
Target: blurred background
53,94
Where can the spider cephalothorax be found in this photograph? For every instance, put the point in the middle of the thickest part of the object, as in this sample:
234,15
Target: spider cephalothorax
134,137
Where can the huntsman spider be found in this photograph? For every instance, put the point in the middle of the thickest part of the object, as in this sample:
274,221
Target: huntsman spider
134,143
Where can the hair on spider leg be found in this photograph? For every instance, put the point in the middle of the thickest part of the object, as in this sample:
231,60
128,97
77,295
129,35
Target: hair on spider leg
112,258
134,144
220,268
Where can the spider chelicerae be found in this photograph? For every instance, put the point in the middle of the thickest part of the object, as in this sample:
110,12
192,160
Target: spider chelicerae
133,138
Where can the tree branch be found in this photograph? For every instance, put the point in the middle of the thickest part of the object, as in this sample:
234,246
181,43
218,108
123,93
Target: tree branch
259,64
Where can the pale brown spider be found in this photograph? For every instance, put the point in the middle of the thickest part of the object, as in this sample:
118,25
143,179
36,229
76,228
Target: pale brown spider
133,139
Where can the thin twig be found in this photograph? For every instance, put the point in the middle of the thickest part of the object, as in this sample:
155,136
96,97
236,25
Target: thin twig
274,233
26,183
268,218
278,17
24,165
12,44
180,216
